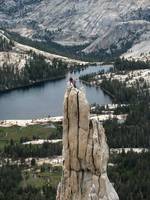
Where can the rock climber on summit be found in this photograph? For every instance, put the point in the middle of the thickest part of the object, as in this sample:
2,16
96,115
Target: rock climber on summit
72,82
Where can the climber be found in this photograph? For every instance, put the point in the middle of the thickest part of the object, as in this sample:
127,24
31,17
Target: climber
72,82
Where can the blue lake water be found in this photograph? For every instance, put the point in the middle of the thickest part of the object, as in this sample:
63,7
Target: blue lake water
47,99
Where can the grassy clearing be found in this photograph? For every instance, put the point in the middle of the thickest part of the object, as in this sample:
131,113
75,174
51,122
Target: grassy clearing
38,179
32,132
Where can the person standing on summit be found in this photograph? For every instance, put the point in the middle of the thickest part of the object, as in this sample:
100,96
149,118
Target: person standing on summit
72,82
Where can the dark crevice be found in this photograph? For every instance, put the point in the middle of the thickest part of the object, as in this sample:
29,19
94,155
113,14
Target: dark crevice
93,148
78,126
90,122
67,116
78,113
98,133
78,179
93,156
99,185
67,121
82,181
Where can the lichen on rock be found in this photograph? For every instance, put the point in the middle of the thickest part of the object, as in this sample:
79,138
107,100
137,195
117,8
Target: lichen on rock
85,153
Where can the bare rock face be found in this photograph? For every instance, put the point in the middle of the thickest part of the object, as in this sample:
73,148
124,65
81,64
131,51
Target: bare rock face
85,153
106,25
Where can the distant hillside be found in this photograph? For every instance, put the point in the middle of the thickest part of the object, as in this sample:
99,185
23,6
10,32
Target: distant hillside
106,28
12,52
22,65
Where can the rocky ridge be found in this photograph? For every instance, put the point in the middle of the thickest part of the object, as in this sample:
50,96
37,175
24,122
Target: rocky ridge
85,153
103,25
18,55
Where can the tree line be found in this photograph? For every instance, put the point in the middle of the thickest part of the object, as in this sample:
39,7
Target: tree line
15,150
134,132
36,69
130,175
11,186
5,44
121,64
120,91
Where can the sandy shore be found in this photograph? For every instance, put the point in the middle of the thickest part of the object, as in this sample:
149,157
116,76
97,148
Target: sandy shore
126,150
41,141
24,123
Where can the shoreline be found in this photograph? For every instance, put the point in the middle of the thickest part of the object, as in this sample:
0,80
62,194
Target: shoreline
37,83
99,86
28,122
57,119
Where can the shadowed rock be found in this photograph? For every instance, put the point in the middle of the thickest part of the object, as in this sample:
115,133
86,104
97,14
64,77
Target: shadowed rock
85,153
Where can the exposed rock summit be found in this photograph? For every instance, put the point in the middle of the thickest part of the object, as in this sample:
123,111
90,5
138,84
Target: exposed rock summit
85,153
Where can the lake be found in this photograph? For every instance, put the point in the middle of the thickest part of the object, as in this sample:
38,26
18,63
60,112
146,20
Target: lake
47,98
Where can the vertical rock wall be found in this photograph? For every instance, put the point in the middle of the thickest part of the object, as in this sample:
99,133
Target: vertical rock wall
85,153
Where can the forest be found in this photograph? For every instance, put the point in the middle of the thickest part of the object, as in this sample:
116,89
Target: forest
23,180
130,175
36,70
134,132
121,64
14,150
5,44
11,180
119,91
